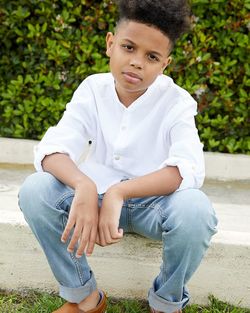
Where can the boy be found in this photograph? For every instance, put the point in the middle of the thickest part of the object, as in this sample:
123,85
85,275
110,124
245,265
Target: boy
142,173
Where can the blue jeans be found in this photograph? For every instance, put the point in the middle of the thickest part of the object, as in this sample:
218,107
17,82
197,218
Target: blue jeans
184,221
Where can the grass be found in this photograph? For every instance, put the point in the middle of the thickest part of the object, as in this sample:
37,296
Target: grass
33,302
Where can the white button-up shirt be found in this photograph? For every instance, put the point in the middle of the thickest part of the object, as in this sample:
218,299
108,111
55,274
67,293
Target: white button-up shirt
156,130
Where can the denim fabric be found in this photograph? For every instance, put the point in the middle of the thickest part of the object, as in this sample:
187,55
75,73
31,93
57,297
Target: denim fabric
184,221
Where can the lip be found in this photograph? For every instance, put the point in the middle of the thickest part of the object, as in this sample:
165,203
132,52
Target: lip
132,77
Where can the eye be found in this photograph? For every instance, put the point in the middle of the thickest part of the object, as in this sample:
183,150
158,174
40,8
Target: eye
153,58
128,47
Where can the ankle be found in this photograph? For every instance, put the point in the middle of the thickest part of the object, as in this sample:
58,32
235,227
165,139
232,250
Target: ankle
90,302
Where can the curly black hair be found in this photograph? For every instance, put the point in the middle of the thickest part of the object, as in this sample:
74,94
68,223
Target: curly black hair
172,17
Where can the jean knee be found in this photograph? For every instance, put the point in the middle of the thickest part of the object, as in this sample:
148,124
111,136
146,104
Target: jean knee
200,215
32,191
193,214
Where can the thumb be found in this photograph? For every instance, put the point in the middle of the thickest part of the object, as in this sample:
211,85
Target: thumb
120,231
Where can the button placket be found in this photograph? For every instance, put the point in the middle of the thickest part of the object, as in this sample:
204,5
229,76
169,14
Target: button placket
121,139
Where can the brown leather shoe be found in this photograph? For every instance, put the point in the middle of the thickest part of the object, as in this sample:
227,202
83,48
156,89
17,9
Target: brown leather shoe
73,308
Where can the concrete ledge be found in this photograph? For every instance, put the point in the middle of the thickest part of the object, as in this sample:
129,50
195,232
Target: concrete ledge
126,269
16,151
224,166
219,166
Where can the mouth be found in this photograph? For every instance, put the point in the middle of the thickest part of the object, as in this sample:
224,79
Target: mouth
132,77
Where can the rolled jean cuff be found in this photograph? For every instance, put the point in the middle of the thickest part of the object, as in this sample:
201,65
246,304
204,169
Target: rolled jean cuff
76,295
160,304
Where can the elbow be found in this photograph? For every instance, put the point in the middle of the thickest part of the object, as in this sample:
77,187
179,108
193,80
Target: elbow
176,178
49,160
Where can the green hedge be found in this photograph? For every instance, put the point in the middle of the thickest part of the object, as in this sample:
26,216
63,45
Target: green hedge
49,47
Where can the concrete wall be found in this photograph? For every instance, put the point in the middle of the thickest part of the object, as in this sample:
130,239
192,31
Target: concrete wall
218,165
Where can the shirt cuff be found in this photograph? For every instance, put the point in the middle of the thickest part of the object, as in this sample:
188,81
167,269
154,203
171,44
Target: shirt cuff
187,171
40,154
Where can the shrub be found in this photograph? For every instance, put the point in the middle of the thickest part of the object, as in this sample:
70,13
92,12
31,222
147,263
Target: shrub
49,47
212,63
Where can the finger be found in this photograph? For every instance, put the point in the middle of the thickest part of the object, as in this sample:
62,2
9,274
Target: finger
65,235
97,240
109,239
87,237
102,237
75,237
121,232
107,235
86,240
91,243
116,233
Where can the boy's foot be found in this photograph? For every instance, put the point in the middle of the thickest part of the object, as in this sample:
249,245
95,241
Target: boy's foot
73,307
154,311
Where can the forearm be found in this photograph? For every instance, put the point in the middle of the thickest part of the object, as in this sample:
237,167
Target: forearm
161,182
64,169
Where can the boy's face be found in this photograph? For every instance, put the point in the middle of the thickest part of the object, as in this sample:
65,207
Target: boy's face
138,54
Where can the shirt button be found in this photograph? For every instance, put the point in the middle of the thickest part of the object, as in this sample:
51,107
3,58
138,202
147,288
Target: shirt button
117,157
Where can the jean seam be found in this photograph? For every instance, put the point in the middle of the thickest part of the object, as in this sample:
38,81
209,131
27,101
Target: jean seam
136,206
78,268
129,218
159,210
154,206
65,196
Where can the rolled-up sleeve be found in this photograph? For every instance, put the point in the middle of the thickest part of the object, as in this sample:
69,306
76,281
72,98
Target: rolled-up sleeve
186,151
71,134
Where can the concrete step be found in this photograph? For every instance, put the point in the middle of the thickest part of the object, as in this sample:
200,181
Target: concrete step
219,166
127,269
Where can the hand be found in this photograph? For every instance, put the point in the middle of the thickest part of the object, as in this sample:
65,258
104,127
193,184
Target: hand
109,216
83,218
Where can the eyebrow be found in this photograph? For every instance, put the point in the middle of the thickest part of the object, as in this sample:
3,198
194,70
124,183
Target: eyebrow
154,52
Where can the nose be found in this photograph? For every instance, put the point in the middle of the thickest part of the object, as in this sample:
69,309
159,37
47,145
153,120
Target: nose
136,62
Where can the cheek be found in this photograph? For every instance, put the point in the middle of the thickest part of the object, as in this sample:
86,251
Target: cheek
162,68
158,71
114,65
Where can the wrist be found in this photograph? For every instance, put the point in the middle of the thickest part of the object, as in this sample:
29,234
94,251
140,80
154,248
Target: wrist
85,183
120,190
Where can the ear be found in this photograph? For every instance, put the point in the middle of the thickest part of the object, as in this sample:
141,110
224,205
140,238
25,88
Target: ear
109,43
166,63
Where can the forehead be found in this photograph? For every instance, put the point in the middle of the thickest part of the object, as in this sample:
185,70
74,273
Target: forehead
143,35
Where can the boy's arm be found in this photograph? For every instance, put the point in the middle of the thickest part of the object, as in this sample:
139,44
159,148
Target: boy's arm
161,182
83,216
158,183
